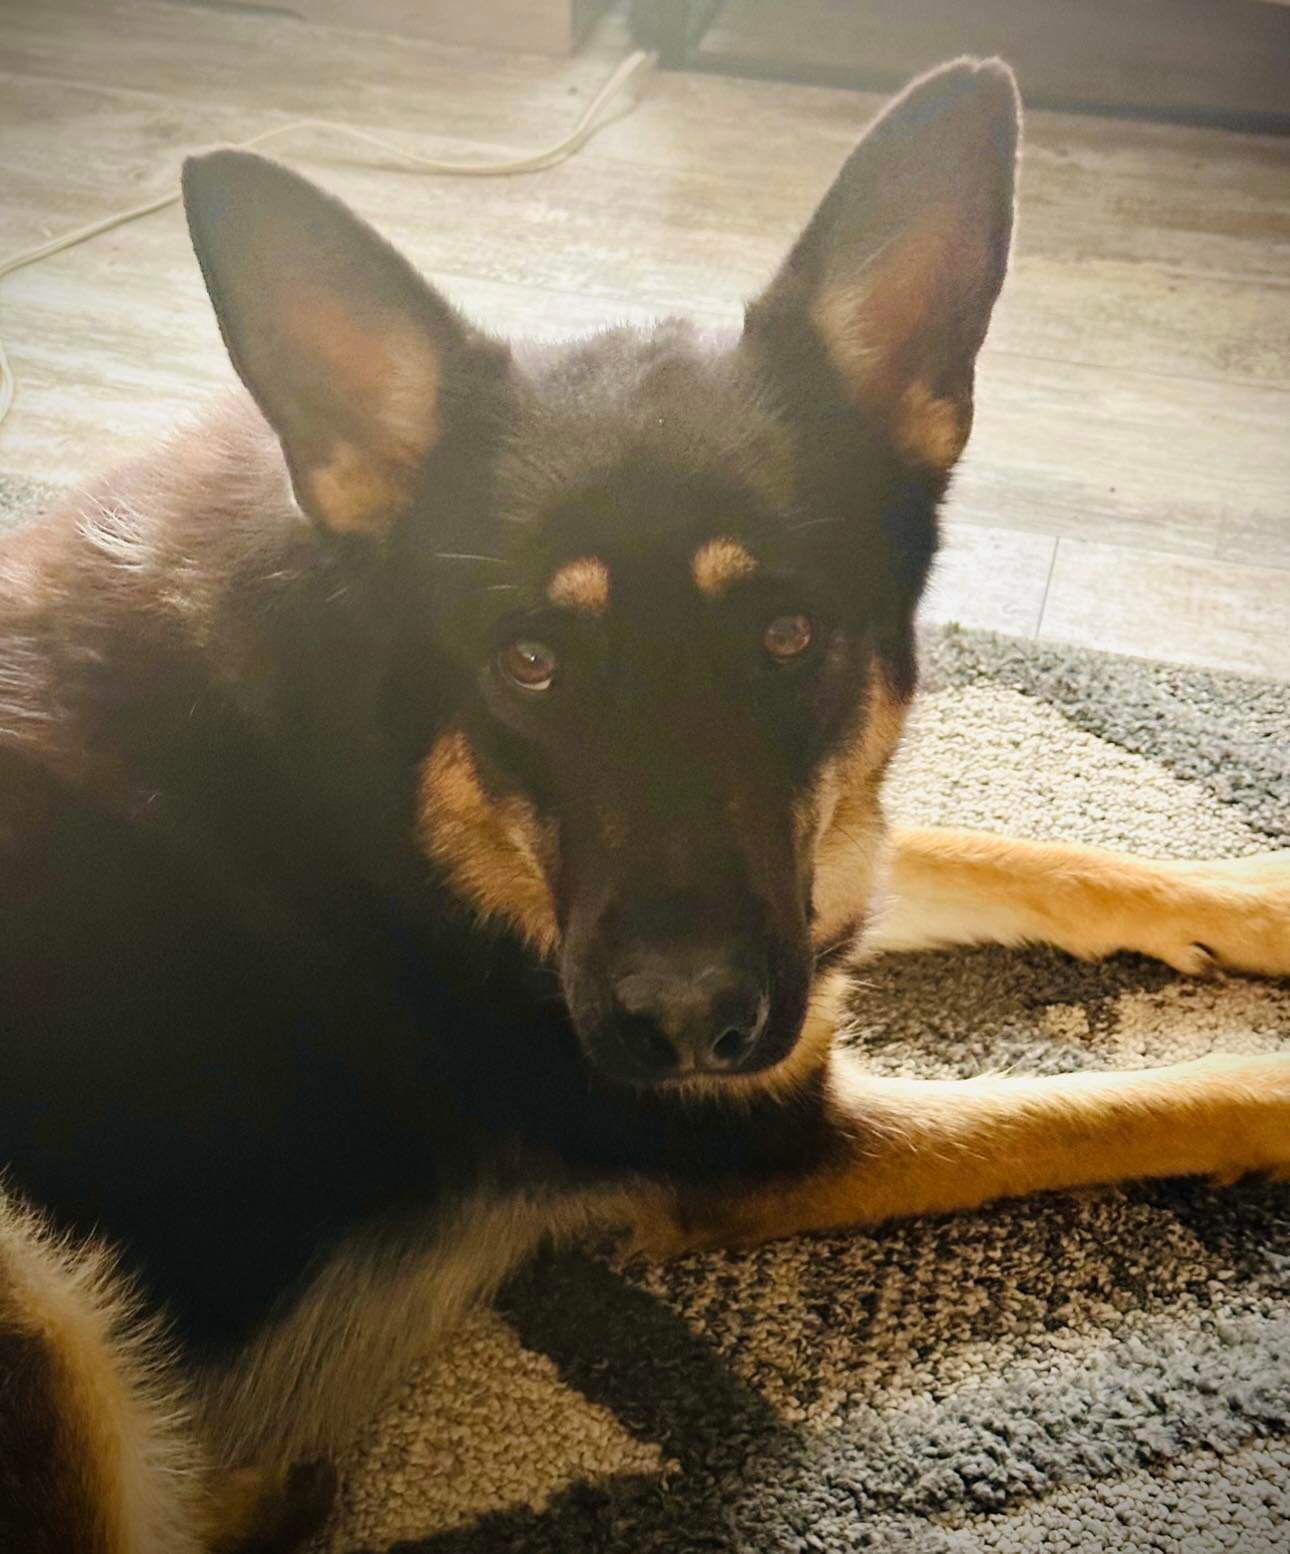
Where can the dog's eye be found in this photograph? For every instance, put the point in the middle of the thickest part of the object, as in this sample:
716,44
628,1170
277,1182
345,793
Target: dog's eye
530,665
787,636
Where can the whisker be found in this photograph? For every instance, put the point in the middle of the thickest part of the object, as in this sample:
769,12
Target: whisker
502,588
772,526
810,523
463,555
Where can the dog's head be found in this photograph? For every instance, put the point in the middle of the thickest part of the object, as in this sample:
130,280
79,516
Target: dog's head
666,584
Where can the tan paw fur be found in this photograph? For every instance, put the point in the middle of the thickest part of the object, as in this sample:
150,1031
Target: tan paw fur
1232,914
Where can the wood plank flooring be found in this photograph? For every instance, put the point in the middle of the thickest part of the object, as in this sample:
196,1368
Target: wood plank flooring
1128,482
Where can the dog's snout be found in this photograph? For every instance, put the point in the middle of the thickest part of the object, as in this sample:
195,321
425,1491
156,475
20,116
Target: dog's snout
676,1019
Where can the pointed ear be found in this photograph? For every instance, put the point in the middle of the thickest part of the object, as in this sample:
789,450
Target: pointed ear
345,348
900,266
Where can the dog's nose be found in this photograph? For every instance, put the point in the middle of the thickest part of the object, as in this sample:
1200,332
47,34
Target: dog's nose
672,1021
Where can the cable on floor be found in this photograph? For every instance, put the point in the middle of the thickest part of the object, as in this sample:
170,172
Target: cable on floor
631,74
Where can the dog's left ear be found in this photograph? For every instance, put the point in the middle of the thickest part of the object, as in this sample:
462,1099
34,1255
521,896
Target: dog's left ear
900,266
355,361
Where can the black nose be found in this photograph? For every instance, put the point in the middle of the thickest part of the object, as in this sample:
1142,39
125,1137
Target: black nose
674,1018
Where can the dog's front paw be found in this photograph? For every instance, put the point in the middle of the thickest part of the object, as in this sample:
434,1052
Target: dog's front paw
1232,913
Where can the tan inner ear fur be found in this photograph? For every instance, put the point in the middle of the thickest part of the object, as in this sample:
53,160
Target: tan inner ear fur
351,492
929,430
871,326
492,849
388,374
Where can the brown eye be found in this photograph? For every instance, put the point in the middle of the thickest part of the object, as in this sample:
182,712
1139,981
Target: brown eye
787,636
530,665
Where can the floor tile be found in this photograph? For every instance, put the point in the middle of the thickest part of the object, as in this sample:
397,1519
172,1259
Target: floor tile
1184,609
990,578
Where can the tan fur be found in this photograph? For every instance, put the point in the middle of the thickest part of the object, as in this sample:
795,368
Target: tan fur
839,313
720,563
868,320
392,376
850,828
931,1146
870,317
492,848
581,585
127,1480
967,887
152,1469
929,429
352,492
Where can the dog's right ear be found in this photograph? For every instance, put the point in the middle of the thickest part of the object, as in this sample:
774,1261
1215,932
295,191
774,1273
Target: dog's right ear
351,356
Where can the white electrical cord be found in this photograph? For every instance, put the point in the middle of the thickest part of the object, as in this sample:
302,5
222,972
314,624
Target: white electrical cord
632,72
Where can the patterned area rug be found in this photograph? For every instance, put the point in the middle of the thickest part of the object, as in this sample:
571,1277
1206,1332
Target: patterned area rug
1101,1373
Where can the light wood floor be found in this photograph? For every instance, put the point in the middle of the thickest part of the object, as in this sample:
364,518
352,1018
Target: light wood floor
1128,482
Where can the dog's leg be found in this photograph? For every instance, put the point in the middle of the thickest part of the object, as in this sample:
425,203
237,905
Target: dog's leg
302,1387
967,887
905,1147
275,1418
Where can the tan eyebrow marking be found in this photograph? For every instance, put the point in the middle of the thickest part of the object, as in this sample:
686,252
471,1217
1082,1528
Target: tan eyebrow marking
719,563
581,585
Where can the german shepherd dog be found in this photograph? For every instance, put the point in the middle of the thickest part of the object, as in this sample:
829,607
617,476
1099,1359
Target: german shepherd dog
439,802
